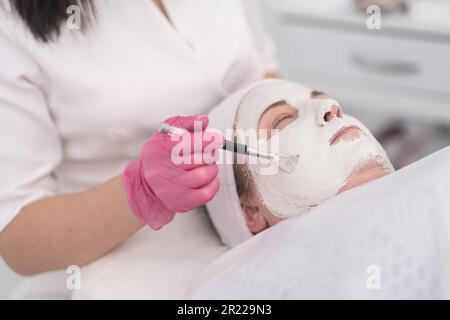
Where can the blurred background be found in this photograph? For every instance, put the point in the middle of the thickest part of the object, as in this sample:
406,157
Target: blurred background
395,79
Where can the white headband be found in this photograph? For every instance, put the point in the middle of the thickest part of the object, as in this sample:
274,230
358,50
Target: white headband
225,210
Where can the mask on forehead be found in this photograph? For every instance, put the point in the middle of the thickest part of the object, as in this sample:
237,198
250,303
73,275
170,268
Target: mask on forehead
323,168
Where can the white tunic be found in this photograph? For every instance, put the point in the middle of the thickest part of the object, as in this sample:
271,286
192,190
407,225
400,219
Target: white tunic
73,113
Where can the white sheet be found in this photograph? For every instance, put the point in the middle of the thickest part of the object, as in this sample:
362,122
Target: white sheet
400,224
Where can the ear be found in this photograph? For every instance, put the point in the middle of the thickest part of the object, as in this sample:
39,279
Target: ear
254,216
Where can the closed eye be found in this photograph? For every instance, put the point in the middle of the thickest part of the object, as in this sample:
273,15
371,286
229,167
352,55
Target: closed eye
283,120
276,117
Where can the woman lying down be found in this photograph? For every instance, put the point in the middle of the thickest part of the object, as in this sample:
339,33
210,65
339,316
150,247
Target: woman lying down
392,227
384,239
335,152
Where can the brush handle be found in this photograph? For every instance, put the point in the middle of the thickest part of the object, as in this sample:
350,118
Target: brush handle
235,147
244,149
228,145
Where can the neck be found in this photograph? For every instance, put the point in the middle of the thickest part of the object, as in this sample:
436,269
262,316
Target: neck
369,171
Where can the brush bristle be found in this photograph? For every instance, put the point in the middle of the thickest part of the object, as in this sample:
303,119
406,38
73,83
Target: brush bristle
289,162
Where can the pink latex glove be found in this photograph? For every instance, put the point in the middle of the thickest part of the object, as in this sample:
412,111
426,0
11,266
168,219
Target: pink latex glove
157,187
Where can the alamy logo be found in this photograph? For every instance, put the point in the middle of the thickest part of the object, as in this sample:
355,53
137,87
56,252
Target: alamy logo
373,281
74,17
187,147
374,19
73,281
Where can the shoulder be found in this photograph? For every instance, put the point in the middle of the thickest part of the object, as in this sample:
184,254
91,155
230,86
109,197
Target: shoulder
10,23
15,41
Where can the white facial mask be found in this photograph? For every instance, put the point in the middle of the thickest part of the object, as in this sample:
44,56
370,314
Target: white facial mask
323,169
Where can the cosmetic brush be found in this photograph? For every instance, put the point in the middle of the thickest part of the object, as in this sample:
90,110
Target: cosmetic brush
287,162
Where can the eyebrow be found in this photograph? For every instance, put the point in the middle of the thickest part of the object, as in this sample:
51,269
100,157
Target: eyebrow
273,105
315,94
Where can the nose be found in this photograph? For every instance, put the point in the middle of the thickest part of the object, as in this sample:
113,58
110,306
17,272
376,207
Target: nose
326,110
334,112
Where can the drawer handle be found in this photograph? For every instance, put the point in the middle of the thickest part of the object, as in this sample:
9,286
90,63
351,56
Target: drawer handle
407,65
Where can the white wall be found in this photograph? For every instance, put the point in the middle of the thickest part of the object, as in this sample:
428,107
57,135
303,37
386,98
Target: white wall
8,280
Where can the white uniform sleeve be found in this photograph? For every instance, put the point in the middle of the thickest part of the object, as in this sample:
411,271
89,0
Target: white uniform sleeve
263,40
30,148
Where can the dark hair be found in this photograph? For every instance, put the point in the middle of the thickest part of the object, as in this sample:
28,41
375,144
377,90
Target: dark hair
244,187
45,17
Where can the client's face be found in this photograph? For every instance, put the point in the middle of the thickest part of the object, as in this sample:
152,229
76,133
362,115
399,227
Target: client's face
336,152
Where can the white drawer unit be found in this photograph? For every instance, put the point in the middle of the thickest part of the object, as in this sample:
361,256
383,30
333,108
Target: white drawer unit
415,64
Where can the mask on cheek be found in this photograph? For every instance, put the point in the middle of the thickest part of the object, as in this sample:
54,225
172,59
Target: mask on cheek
323,168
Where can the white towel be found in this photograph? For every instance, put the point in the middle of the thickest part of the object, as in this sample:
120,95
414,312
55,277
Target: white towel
388,239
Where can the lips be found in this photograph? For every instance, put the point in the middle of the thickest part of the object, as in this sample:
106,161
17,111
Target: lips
346,133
